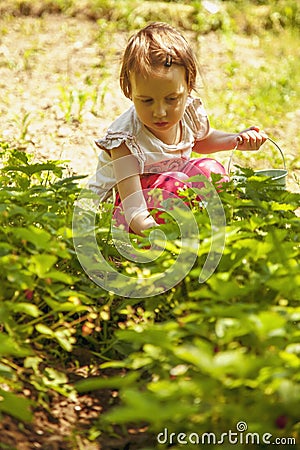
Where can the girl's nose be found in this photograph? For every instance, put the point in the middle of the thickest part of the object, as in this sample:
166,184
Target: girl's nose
159,111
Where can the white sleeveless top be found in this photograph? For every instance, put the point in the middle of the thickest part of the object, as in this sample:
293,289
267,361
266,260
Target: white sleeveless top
153,155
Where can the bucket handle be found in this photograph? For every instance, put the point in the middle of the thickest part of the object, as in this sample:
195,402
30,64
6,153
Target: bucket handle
271,140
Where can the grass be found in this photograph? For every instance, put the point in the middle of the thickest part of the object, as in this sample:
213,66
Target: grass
258,83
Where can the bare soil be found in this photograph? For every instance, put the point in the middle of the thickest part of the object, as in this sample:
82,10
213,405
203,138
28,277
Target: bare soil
48,62
66,423
45,64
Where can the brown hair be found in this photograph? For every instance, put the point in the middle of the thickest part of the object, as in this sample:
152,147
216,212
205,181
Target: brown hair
158,44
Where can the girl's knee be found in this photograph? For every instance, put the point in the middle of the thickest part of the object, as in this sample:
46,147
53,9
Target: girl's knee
205,167
172,181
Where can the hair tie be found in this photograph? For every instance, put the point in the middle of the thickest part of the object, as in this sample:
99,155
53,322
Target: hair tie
168,62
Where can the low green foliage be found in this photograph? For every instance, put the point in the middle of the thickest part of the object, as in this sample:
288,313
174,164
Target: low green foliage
39,273
199,357
209,356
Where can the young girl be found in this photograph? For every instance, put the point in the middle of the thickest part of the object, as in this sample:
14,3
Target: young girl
149,146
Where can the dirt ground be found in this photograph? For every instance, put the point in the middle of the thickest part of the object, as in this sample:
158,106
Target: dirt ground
42,60
64,424
45,63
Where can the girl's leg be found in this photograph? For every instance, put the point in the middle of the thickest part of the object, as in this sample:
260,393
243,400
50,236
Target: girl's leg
167,183
171,183
205,166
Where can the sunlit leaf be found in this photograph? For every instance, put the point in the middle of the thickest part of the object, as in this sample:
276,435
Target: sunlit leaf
41,264
16,406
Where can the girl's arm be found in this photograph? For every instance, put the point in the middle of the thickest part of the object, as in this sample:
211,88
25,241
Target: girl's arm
250,139
126,168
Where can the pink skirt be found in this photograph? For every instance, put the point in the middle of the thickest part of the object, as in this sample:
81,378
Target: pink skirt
171,184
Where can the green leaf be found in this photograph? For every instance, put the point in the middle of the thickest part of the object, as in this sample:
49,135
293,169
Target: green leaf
44,329
95,383
144,406
37,236
199,355
269,323
31,169
9,346
5,248
55,377
61,276
41,264
234,363
26,308
64,338
64,306
18,407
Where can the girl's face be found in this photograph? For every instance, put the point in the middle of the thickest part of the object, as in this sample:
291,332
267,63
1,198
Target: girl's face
160,101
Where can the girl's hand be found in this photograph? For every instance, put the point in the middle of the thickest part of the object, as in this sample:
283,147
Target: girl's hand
251,139
142,221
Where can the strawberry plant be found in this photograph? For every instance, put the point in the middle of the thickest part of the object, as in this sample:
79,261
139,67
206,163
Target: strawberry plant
200,357
44,299
205,357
